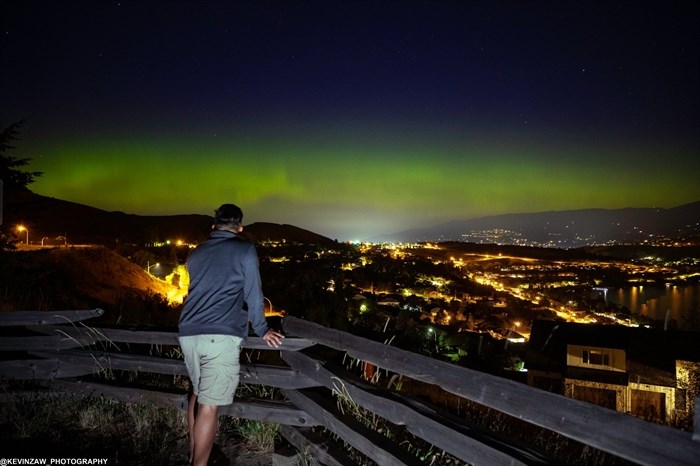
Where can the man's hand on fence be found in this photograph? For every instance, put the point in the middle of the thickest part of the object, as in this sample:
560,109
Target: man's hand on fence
273,338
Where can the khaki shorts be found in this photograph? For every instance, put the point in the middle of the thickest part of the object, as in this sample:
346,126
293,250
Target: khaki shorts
213,366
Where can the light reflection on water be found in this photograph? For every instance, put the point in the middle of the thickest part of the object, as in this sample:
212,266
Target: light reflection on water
654,302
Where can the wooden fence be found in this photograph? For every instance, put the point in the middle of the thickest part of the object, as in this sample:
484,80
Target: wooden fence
61,349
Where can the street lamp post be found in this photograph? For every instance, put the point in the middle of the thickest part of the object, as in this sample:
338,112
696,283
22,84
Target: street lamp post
271,312
434,333
149,267
25,229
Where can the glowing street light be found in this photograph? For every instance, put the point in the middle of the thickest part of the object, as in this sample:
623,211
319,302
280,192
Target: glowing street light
149,267
434,333
271,312
25,229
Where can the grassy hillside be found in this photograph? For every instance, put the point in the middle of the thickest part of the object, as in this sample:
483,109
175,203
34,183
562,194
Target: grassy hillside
84,278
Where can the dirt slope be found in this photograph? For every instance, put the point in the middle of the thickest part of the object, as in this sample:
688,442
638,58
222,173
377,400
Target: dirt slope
83,278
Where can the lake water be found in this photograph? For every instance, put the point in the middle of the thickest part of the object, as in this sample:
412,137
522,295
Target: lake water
653,301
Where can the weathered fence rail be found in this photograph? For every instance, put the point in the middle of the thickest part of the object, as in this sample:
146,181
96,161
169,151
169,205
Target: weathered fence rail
61,349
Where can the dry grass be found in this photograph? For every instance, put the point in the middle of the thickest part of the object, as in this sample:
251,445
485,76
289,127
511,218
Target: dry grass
88,426
124,433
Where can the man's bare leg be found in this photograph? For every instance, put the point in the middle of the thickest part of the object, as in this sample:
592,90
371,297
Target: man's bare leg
191,414
204,433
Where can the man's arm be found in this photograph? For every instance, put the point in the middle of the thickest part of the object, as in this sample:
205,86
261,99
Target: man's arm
253,291
254,299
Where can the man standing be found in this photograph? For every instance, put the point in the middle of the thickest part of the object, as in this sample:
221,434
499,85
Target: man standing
225,293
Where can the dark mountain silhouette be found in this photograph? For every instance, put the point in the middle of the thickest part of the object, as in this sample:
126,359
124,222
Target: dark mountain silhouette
570,228
262,231
50,218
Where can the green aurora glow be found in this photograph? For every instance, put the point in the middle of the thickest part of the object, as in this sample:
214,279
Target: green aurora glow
347,190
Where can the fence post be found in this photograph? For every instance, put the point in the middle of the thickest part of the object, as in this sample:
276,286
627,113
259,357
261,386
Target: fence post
696,425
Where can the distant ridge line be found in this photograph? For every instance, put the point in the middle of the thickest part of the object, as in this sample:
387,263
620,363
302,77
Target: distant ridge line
568,227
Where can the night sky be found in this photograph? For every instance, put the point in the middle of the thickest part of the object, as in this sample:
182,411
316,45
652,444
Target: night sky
356,118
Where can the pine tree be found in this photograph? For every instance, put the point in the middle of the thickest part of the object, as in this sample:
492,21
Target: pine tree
11,173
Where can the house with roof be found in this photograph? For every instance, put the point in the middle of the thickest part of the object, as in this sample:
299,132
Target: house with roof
637,370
